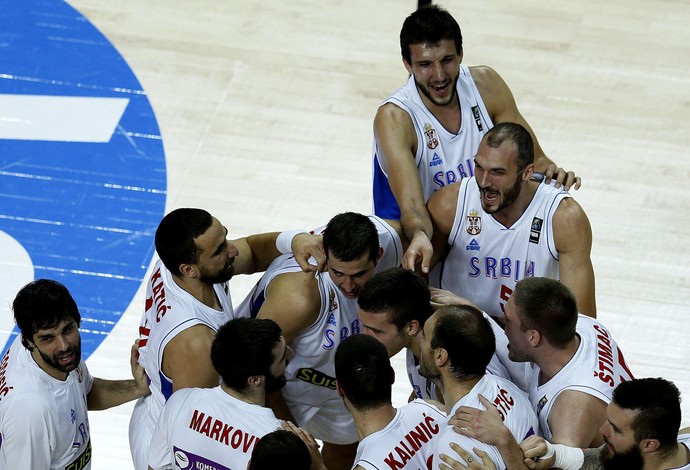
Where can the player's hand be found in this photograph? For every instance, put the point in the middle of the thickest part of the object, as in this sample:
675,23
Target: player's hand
312,445
440,298
534,448
141,380
483,462
565,178
306,246
420,251
484,425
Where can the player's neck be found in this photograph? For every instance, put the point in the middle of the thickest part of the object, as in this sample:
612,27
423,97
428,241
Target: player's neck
254,396
201,291
415,348
372,420
510,214
679,458
448,115
552,359
455,389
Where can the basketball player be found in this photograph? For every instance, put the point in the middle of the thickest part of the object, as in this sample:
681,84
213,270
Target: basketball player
640,431
393,307
577,363
427,132
219,427
456,347
389,438
46,388
187,299
500,226
315,314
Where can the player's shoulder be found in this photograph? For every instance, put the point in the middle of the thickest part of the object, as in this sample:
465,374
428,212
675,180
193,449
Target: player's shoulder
483,75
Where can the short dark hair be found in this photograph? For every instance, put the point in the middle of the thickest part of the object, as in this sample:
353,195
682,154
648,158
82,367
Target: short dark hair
467,336
516,133
430,24
402,294
42,304
363,371
175,237
280,449
658,403
349,236
242,348
548,306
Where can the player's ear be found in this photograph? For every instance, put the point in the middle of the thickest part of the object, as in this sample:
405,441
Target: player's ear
649,445
534,338
412,328
528,172
254,380
338,388
188,270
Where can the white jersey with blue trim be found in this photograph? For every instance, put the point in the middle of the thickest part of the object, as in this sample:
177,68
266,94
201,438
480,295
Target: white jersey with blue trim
311,372
169,311
43,421
443,157
597,368
486,259
208,428
407,442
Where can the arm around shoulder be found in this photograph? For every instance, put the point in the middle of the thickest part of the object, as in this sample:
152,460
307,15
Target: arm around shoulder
501,105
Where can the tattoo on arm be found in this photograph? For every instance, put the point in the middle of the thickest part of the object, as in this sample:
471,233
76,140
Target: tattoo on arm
592,461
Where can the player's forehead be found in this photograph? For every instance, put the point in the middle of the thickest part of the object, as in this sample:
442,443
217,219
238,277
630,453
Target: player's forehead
432,51
57,328
379,319
214,235
358,265
620,418
502,157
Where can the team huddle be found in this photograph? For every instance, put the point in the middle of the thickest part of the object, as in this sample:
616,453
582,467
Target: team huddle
476,263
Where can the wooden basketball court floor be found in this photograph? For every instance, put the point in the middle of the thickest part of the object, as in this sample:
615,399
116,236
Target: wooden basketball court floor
265,109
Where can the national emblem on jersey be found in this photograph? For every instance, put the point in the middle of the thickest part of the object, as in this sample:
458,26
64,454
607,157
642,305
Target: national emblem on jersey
431,139
332,301
474,222
535,230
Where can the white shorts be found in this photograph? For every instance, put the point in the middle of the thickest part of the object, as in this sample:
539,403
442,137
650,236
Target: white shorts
331,423
140,435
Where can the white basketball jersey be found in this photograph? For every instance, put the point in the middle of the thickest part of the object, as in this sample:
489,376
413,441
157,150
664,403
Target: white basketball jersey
207,428
311,372
43,421
442,157
487,259
597,367
407,442
513,406
169,311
